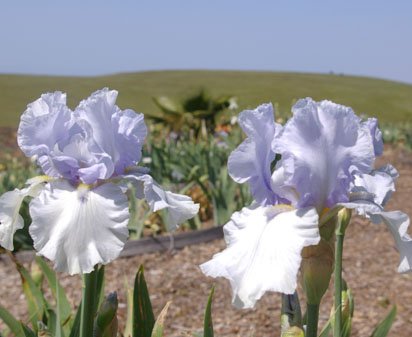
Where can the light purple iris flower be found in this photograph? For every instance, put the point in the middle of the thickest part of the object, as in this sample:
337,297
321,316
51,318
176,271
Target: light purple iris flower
79,209
325,161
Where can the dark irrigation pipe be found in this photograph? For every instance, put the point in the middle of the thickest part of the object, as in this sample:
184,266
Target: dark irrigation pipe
170,241
153,244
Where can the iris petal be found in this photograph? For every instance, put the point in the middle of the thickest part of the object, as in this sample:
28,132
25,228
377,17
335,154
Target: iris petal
264,251
43,124
251,160
10,203
130,134
119,134
372,125
398,223
369,193
79,228
320,146
97,110
179,207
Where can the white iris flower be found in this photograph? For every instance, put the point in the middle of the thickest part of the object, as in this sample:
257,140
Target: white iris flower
322,159
79,208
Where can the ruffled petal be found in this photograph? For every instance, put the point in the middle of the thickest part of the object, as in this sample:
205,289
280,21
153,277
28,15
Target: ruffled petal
369,193
278,185
45,122
372,125
398,223
264,251
97,110
320,145
179,207
251,160
380,183
79,228
130,134
10,203
119,134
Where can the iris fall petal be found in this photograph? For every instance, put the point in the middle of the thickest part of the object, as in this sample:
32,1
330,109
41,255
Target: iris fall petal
78,228
263,251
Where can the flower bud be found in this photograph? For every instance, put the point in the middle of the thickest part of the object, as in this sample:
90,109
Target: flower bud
316,270
105,324
344,216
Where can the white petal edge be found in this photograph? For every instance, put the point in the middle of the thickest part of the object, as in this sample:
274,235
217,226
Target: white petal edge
10,203
370,192
179,207
398,223
79,228
264,251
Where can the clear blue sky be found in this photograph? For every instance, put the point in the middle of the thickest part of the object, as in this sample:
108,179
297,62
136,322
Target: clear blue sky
90,37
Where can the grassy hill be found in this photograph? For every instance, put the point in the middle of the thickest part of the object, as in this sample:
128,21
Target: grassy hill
389,101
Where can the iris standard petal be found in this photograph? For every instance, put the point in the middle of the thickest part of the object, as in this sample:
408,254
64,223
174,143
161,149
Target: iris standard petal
97,110
251,160
118,133
10,203
78,228
319,146
179,207
263,251
372,125
398,223
43,124
130,134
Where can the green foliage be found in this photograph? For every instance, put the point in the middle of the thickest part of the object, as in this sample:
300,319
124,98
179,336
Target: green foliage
13,324
208,323
143,317
63,308
139,214
196,113
397,134
158,327
14,172
383,328
187,162
28,332
47,318
37,304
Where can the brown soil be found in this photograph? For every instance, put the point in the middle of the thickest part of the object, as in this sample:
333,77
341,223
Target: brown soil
370,264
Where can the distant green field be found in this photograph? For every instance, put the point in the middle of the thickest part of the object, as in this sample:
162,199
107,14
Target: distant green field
389,101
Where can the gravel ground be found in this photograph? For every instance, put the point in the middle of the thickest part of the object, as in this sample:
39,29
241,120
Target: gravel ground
370,263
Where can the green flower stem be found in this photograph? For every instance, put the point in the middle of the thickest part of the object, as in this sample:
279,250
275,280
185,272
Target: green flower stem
337,328
344,216
312,320
88,306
